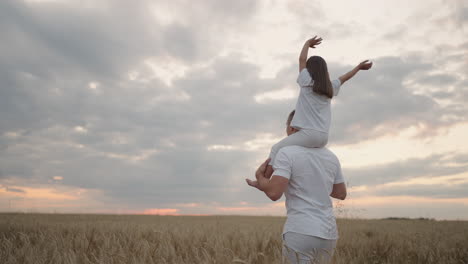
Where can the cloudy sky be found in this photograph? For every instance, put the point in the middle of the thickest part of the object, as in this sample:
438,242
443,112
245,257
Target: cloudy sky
166,106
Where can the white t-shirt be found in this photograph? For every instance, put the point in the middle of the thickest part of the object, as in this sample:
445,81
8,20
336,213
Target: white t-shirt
312,109
311,173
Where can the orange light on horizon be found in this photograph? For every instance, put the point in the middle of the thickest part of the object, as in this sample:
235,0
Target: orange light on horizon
401,200
161,211
237,209
39,193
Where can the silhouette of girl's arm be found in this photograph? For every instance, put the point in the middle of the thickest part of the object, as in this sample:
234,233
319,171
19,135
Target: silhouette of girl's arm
365,65
310,43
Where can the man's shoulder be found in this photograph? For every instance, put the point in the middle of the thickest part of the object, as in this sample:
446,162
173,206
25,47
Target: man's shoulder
322,153
295,148
292,149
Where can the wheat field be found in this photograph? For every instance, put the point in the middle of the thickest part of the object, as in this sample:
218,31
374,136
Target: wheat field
61,238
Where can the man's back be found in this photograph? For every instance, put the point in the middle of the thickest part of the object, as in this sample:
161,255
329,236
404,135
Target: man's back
311,173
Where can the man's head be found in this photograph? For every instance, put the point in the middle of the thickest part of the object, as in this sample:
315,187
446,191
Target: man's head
289,129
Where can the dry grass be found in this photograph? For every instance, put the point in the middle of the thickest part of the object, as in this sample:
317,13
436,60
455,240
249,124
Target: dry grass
50,238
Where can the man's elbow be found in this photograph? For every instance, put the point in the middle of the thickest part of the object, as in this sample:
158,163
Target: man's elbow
339,191
341,196
274,196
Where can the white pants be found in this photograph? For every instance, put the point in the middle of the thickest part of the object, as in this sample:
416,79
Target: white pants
302,249
308,138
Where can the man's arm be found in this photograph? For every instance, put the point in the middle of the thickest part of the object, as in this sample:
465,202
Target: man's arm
273,188
268,174
310,43
339,191
365,65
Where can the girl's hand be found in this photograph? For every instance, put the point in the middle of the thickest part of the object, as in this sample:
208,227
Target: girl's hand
365,65
313,42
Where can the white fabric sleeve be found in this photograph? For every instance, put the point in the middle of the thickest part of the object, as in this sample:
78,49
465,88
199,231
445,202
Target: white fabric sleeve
282,165
304,78
338,175
336,84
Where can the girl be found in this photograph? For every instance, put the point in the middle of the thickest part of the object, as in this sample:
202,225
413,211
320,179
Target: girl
313,114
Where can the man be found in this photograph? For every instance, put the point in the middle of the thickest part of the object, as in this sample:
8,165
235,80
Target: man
307,177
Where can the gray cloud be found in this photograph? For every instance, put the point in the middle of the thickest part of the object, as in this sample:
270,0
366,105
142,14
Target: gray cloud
306,10
398,32
8,189
460,10
183,170
177,172
180,170
438,80
179,42
52,51
72,38
433,166
380,102
433,191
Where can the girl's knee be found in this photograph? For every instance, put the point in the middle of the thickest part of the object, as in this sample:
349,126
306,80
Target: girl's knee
274,149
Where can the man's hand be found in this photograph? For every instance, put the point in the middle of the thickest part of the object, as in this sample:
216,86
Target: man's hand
365,65
313,42
253,183
274,187
261,170
259,173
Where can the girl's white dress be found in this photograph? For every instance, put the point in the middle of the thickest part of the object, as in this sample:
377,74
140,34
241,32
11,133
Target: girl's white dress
312,117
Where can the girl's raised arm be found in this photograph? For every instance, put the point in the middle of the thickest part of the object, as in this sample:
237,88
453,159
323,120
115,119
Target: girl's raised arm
365,65
310,43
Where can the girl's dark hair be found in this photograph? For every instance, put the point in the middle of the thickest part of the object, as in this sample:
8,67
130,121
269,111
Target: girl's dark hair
318,70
